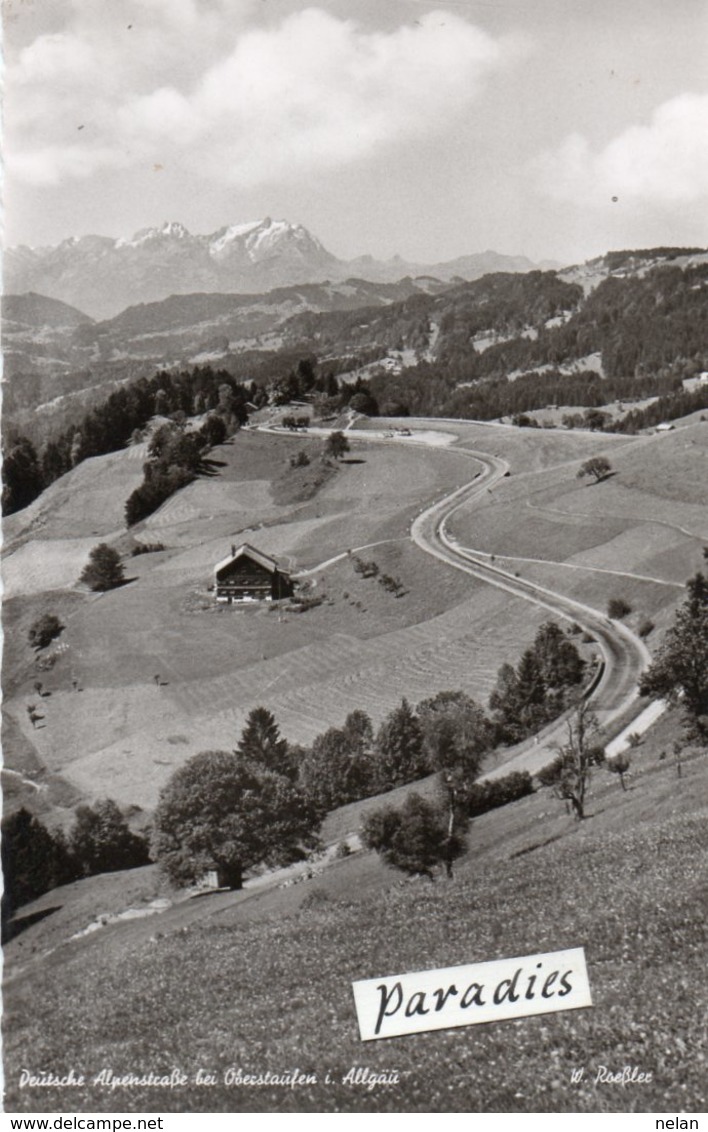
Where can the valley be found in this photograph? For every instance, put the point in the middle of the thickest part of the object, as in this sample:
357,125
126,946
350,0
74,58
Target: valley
358,648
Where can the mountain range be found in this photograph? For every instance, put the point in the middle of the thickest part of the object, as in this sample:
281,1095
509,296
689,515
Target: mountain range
102,276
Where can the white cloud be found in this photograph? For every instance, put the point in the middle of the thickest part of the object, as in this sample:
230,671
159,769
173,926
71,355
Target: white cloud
242,105
664,163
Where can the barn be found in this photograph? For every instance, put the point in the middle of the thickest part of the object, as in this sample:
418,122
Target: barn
249,575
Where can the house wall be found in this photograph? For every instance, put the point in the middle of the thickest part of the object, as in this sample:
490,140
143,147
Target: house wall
247,580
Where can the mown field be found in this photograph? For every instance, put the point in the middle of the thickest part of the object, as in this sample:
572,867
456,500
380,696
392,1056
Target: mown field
637,535
261,980
117,733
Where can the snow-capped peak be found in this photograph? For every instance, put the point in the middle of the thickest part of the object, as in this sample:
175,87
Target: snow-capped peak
227,235
171,229
258,238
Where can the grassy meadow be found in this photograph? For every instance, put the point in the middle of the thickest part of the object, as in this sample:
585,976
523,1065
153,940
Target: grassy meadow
260,980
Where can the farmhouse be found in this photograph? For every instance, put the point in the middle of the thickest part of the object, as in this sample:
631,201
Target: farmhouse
249,575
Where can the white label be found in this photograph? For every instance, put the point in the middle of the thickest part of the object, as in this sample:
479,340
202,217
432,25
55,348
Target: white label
477,992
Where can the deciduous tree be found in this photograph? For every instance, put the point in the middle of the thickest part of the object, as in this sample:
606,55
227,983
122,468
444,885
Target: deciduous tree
336,445
414,838
221,810
569,774
599,467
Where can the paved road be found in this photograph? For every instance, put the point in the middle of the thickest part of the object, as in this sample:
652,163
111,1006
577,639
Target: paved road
625,656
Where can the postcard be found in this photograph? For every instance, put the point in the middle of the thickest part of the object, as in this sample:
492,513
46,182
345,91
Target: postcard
355,579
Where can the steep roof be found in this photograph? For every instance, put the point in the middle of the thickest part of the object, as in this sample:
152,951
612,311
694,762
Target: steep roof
248,551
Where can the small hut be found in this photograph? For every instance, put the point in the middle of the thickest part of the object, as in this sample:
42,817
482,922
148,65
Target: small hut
249,575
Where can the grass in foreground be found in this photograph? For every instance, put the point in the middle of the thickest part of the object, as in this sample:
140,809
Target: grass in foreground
266,984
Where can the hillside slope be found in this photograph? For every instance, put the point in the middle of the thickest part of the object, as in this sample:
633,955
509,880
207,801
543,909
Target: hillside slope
261,980
359,647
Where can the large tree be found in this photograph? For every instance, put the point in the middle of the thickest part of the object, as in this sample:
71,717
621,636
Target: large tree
680,669
221,810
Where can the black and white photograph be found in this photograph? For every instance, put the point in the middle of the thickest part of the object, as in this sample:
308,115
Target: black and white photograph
355,558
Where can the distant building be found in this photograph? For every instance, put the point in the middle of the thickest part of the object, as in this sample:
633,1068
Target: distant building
249,575
665,426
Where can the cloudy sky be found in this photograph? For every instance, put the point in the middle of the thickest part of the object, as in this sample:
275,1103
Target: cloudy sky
550,128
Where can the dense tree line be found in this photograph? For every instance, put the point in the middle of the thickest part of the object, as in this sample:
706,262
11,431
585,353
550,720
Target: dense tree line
264,801
36,859
668,408
638,325
352,762
679,671
174,459
122,417
650,333
536,691
111,425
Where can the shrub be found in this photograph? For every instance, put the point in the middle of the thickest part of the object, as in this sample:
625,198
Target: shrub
617,608
391,585
366,569
302,604
485,796
43,631
300,460
645,628
146,548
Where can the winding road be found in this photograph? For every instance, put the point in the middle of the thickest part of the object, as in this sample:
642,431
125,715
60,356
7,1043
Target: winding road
624,655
